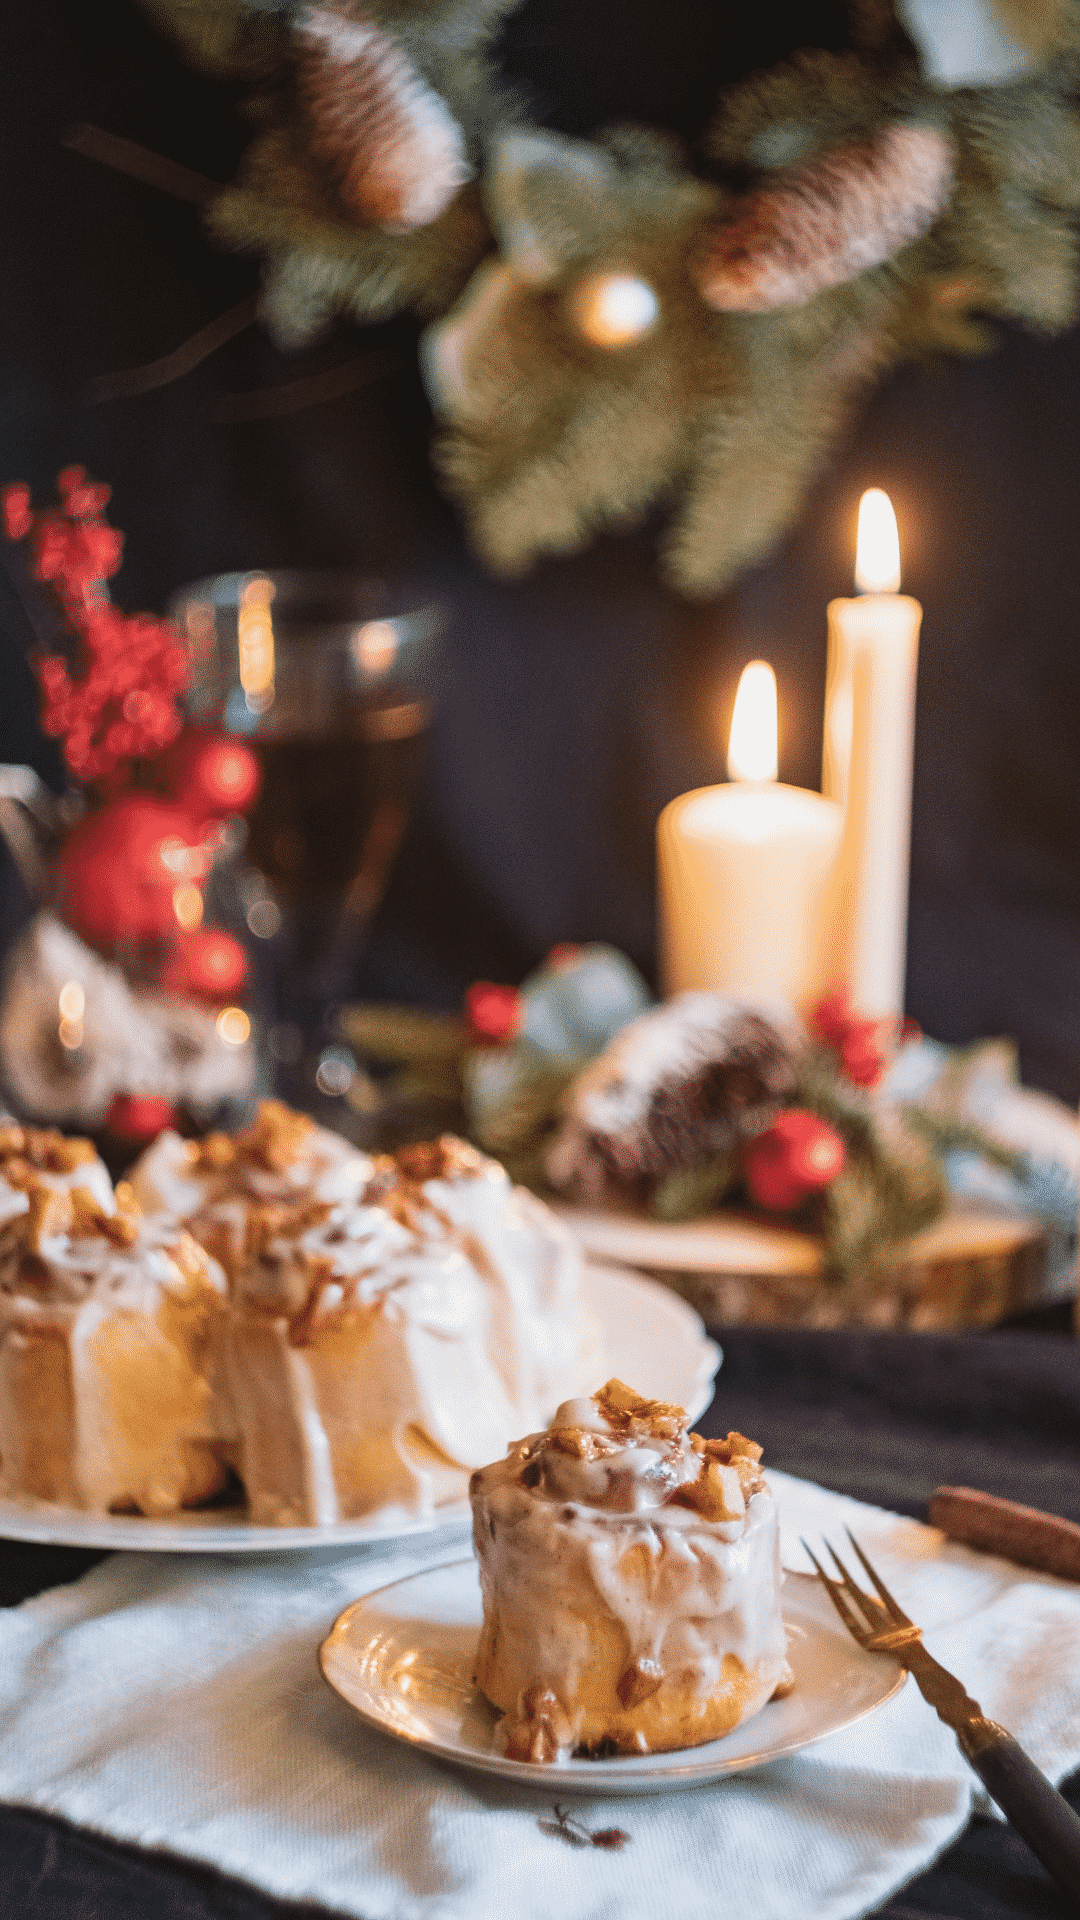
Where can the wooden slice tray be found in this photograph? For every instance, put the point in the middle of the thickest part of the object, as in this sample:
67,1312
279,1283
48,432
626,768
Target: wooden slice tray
971,1268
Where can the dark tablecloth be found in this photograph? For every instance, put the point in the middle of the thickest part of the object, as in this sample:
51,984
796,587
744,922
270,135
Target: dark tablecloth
885,1417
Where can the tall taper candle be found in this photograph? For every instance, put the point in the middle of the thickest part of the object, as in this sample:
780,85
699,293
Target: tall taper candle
868,758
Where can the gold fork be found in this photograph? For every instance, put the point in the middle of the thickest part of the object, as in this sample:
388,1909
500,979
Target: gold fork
1038,1812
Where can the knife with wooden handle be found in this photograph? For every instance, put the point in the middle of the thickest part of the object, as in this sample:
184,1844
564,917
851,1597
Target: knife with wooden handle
1022,1534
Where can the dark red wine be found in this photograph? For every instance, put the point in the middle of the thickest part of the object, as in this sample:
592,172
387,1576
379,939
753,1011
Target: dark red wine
331,810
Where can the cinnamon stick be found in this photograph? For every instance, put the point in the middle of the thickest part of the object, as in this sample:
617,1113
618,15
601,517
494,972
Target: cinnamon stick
1023,1534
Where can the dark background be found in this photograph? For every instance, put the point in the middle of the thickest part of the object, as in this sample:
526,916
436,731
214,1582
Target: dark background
575,703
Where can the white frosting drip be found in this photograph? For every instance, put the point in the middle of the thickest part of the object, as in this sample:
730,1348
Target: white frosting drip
377,1338
137,1418
542,1337
326,1167
13,1203
574,1551
450,1333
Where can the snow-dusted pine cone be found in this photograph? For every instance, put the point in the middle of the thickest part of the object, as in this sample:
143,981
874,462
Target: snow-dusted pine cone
686,1081
828,219
396,149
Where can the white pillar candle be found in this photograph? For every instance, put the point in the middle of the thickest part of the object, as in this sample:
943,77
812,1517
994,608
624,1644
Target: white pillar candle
868,757
745,870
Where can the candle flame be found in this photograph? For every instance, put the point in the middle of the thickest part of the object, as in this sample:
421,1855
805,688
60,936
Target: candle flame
72,1000
614,308
877,549
752,742
233,1026
188,905
255,641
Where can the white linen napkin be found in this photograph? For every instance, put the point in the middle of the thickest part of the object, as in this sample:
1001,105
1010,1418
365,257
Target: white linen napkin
175,1702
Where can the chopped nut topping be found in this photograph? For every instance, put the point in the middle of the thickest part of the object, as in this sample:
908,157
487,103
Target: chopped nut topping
68,1210
398,1178
43,1149
734,1447
428,1160
734,1451
275,1141
89,1217
716,1493
639,1682
539,1729
635,1418
213,1154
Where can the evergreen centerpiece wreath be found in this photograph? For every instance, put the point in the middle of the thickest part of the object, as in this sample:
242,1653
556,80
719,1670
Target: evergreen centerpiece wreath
645,315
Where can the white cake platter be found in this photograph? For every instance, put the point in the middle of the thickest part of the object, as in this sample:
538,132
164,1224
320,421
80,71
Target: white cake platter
650,1338
403,1658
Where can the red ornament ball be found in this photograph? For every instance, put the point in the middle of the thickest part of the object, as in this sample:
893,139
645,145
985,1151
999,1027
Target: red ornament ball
795,1157
120,867
208,963
137,1117
493,1012
211,774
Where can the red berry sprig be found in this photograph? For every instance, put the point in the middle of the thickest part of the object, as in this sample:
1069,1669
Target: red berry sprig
861,1043
115,700
493,1012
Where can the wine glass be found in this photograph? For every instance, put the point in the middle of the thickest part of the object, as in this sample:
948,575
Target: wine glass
329,677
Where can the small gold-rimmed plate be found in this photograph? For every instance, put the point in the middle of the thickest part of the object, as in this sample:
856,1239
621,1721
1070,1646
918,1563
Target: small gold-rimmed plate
403,1657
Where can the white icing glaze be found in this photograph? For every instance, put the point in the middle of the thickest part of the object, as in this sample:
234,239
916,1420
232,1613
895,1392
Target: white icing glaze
423,1347
138,1417
13,1203
542,1336
166,1179
591,1550
378,1336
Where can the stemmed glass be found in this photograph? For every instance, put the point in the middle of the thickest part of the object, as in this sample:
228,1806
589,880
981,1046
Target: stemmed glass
329,676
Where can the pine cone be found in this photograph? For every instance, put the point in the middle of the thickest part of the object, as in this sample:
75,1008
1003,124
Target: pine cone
396,150
826,220
684,1083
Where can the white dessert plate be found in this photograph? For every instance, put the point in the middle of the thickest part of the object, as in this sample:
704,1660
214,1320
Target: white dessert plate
403,1657
650,1338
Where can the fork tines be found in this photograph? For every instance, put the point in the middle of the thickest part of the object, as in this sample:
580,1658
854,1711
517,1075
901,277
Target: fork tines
879,1624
